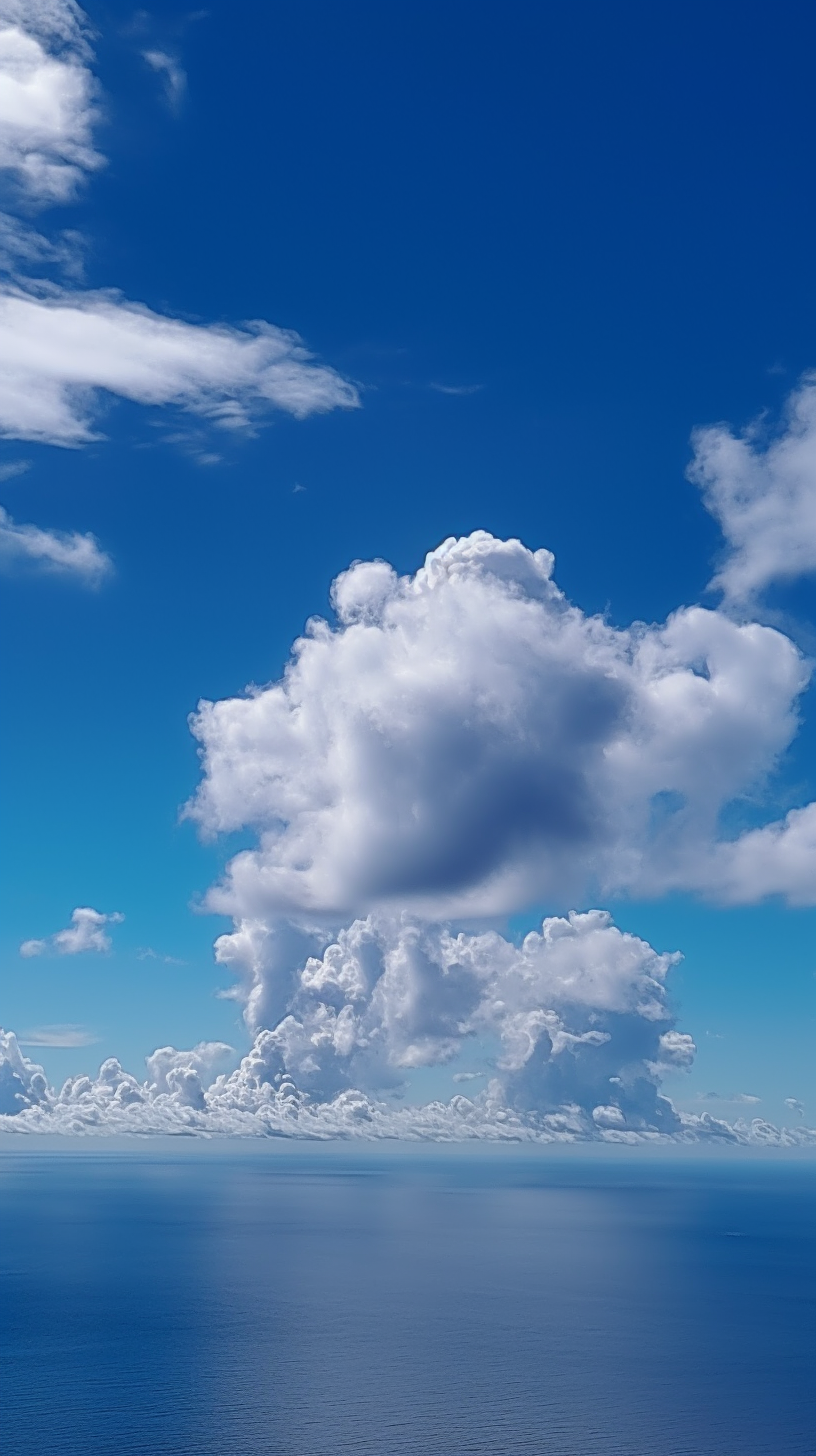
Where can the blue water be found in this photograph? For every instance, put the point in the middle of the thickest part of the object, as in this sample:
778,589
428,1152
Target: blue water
338,1303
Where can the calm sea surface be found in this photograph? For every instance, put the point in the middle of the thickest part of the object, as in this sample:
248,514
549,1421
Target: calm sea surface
219,1305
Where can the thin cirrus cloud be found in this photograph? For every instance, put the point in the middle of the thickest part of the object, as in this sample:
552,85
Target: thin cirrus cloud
63,1035
172,75
48,99
62,553
85,933
763,493
59,351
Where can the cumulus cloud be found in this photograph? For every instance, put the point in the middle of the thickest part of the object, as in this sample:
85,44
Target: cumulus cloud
763,493
464,742
257,1100
85,933
57,352
778,859
67,553
577,1014
48,99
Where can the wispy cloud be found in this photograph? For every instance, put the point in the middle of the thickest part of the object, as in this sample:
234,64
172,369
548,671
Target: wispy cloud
66,553
10,469
147,953
68,1035
57,351
456,388
171,73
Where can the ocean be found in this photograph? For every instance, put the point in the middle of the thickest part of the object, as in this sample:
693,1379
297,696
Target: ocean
345,1302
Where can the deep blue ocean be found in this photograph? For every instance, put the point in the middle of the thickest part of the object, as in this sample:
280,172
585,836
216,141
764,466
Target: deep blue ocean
332,1302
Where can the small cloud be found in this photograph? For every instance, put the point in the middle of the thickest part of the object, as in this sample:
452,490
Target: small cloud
795,1105
85,933
147,953
172,76
23,249
468,1076
730,1097
65,553
58,1036
296,489
12,468
461,389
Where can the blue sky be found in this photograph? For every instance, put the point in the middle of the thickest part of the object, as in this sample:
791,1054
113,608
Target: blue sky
536,249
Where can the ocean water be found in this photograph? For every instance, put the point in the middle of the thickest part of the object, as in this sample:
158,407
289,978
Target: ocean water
328,1302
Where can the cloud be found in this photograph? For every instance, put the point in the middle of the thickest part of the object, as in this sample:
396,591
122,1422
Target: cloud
48,99
58,1036
10,469
22,247
795,1105
577,1004
763,493
464,743
85,933
147,953
732,1097
68,553
457,389
58,351
171,73
777,859
256,1100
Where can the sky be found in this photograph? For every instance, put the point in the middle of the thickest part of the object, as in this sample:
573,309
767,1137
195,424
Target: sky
483,335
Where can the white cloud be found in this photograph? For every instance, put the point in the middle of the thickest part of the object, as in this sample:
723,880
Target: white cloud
47,98
10,469
577,1004
763,493
68,553
256,1100
465,742
171,73
85,933
63,1035
794,1105
58,351
778,859
22,247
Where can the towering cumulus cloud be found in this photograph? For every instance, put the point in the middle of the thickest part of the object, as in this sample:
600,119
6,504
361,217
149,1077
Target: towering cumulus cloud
459,745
